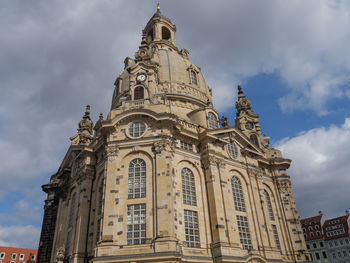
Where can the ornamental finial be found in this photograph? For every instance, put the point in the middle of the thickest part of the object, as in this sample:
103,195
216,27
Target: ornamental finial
158,7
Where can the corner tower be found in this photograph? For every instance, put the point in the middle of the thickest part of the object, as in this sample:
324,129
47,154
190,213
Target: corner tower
159,180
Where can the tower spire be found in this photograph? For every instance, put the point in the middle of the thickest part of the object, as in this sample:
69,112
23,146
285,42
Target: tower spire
242,103
158,7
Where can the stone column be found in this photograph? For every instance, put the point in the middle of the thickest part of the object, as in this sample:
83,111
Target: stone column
165,236
216,207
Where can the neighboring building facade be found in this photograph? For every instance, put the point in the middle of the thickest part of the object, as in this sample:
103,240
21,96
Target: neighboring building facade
336,233
313,233
327,240
17,255
159,180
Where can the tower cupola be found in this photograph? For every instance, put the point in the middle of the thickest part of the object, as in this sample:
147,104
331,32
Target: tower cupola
159,29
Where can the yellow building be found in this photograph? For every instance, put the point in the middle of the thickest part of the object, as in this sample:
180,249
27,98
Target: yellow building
160,180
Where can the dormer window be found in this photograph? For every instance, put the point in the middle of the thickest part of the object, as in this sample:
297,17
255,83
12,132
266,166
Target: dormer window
166,34
138,93
212,121
193,77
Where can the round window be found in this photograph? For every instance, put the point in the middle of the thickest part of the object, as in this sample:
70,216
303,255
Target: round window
232,150
137,129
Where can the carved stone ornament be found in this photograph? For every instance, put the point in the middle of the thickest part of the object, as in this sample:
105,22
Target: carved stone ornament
50,203
213,160
255,172
224,122
165,144
112,152
60,255
283,186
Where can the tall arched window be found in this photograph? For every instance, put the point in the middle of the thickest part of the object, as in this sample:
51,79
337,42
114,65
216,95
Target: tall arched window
237,193
138,93
269,205
137,179
212,121
188,187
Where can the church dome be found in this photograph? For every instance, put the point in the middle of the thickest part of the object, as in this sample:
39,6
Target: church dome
167,70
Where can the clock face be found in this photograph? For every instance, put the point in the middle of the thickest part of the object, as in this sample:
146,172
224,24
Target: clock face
249,125
141,77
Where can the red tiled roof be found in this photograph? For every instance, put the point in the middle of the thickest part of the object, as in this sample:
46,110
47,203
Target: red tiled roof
312,228
308,220
27,253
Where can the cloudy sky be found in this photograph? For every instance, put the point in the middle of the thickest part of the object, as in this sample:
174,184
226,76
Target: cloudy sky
291,57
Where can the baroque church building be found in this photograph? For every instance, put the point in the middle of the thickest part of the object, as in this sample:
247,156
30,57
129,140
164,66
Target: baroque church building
163,179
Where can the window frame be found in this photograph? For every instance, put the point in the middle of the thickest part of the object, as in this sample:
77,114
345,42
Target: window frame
193,77
238,195
136,230
232,153
137,179
212,124
191,228
137,91
244,232
186,146
276,237
269,205
141,129
188,181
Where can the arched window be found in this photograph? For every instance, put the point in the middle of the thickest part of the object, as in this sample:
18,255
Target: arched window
193,77
275,235
254,139
166,33
138,93
269,205
212,121
237,193
137,179
188,187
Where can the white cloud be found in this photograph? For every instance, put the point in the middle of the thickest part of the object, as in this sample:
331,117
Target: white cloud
20,236
305,42
320,169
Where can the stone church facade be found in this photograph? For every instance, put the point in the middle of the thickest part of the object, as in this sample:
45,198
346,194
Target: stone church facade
163,179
